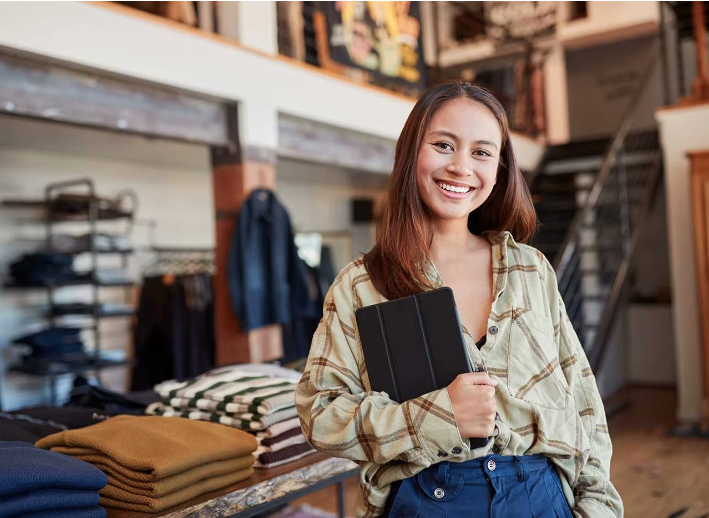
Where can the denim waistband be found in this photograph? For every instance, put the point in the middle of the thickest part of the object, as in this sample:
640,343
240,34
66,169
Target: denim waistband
500,466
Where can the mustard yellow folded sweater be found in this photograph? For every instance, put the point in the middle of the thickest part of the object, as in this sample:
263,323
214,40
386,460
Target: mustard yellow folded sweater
124,479
112,496
156,447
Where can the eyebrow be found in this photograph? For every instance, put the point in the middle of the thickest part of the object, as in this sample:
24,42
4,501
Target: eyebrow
453,136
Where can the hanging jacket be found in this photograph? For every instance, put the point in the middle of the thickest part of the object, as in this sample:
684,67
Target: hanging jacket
267,279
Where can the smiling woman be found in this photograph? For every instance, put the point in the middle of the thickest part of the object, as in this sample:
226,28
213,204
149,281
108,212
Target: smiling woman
456,213
457,135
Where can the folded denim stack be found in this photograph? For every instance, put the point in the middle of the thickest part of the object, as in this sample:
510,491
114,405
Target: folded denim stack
53,349
155,463
42,269
41,484
245,399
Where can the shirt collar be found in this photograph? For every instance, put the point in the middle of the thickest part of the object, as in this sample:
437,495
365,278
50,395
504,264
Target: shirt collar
500,243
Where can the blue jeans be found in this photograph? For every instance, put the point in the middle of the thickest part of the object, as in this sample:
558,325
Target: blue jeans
489,487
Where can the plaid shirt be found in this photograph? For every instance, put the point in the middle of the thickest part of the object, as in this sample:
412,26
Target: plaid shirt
547,399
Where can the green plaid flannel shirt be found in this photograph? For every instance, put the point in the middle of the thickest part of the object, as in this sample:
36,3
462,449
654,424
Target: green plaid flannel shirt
547,399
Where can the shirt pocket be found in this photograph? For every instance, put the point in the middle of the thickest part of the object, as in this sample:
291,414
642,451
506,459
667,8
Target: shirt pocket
534,374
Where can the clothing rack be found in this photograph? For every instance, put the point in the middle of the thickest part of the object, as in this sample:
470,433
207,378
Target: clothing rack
180,261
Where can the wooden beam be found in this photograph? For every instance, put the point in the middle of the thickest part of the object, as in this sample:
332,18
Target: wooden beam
236,171
700,88
699,171
700,85
50,92
311,141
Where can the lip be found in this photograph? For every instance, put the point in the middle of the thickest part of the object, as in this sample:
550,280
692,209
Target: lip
454,195
454,184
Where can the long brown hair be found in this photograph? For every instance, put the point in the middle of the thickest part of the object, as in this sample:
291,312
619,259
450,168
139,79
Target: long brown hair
404,230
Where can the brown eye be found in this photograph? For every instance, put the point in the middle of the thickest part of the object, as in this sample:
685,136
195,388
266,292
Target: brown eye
445,146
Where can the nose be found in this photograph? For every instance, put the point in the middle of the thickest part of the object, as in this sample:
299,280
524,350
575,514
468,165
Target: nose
459,166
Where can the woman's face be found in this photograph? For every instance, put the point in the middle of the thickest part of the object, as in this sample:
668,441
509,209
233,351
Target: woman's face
458,159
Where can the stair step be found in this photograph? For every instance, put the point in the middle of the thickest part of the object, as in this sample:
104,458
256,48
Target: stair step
593,163
559,189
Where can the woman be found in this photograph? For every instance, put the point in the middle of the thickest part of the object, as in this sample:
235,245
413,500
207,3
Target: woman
456,212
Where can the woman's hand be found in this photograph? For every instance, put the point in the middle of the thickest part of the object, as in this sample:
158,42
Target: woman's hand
473,398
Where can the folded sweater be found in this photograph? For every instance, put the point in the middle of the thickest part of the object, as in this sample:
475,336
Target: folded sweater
84,512
279,428
42,499
293,432
232,386
116,497
25,468
284,456
136,482
155,446
277,402
242,421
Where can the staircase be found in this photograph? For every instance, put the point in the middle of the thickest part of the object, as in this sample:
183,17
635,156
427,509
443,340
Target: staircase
591,198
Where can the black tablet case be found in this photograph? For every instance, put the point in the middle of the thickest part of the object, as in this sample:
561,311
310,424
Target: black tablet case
413,345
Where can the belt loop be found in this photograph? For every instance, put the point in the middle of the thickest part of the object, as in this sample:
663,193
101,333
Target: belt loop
523,474
442,473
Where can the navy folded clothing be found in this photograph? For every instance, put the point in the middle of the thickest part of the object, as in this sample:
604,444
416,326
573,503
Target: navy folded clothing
46,499
42,268
19,427
88,512
26,468
51,338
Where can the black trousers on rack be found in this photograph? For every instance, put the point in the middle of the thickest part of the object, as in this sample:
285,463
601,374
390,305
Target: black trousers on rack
174,333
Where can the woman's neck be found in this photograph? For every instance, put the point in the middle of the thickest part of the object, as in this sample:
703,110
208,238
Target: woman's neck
452,238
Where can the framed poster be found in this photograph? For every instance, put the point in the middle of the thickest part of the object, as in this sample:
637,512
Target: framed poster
383,38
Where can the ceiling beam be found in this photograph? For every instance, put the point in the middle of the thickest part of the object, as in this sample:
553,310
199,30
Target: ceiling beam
44,91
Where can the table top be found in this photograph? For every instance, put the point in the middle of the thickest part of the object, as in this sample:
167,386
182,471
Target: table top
264,486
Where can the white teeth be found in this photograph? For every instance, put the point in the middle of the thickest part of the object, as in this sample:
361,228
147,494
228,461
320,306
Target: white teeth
453,188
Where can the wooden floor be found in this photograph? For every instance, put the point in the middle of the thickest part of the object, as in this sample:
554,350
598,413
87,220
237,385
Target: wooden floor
658,476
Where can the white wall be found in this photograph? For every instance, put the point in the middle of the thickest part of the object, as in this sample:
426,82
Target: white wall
683,130
650,336
319,199
113,40
609,21
603,80
173,183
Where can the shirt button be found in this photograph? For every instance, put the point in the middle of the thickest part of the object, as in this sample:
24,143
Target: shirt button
456,450
439,493
493,330
496,449
491,465
442,454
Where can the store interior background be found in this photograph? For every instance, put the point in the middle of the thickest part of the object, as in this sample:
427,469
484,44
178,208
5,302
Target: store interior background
593,68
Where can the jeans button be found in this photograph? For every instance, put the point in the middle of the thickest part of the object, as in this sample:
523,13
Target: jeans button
439,493
491,465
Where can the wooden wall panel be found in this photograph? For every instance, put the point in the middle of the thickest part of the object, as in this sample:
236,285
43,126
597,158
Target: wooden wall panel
700,212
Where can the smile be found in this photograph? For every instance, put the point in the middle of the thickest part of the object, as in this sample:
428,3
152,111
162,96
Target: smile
454,189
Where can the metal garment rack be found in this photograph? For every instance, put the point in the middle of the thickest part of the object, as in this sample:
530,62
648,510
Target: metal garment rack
95,212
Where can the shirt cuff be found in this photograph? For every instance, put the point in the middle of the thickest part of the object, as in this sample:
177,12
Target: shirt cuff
438,434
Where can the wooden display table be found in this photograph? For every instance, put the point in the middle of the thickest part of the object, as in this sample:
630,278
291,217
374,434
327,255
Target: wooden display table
264,491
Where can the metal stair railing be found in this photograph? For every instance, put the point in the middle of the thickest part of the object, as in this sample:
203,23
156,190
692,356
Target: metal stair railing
594,260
